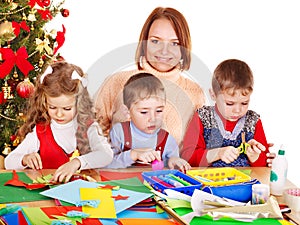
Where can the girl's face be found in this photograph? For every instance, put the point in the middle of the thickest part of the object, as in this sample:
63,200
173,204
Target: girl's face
163,50
61,109
147,114
234,107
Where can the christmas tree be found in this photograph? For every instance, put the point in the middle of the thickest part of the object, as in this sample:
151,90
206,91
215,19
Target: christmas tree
26,49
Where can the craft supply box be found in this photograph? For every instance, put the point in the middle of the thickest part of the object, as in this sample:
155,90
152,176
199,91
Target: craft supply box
219,176
195,184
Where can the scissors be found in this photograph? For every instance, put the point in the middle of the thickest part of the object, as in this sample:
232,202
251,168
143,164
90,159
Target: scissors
244,145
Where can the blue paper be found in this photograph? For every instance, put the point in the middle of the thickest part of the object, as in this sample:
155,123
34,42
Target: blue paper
70,193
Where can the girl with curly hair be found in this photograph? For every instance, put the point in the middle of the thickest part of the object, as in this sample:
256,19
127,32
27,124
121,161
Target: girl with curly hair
60,119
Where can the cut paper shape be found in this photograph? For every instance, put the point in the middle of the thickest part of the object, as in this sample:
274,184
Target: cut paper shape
15,181
69,192
79,214
120,197
91,203
63,222
108,186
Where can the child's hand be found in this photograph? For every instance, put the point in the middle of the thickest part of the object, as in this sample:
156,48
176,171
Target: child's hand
145,155
176,162
65,172
228,154
33,161
254,150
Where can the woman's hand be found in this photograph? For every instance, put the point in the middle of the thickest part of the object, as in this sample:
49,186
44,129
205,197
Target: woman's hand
66,171
33,161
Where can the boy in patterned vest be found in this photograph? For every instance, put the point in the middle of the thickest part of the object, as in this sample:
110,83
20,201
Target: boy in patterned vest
215,133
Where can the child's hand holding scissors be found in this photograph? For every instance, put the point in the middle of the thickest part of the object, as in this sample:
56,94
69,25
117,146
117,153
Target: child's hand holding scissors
252,148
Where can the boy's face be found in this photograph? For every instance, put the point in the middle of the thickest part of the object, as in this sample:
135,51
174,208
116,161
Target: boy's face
147,114
232,107
61,109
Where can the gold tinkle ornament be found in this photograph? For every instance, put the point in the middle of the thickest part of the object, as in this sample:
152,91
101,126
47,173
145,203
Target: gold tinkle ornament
6,150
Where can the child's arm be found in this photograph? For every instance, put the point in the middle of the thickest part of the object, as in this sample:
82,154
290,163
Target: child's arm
101,152
30,145
194,147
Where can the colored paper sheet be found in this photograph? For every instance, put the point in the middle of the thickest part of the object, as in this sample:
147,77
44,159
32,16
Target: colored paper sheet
106,208
36,216
133,184
9,194
111,175
51,213
132,221
69,192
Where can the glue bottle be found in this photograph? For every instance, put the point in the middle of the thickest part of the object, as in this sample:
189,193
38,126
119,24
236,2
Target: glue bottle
278,174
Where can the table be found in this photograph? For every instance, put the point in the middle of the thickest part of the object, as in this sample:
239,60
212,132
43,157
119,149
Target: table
260,173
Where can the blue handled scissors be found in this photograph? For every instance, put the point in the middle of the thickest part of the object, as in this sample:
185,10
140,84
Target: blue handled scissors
244,145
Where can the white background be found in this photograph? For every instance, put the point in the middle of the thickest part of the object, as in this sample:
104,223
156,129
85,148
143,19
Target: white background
265,34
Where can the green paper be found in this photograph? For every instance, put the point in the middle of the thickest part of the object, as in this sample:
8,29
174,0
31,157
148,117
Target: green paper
247,172
36,216
132,184
9,194
207,220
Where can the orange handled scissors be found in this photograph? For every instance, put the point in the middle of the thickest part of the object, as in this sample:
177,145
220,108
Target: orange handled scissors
243,147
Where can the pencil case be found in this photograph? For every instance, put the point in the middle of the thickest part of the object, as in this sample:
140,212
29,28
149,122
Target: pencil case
241,192
156,181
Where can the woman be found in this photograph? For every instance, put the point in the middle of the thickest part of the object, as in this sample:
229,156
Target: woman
164,50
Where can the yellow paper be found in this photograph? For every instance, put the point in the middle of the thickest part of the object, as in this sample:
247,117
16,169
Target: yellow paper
2,206
106,208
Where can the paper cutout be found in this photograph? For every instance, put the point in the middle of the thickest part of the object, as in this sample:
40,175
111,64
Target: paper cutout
18,183
91,203
106,208
69,192
63,222
79,214
120,197
108,186
15,180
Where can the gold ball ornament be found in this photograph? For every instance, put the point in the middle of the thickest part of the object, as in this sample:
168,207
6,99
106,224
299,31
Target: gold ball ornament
7,31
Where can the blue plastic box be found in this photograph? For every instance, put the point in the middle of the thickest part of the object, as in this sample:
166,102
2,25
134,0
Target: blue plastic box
188,190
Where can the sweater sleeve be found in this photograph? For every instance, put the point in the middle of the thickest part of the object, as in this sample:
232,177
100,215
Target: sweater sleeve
260,136
101,153
30,144
194,147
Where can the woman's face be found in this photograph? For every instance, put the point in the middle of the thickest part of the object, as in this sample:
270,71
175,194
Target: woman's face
163,47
